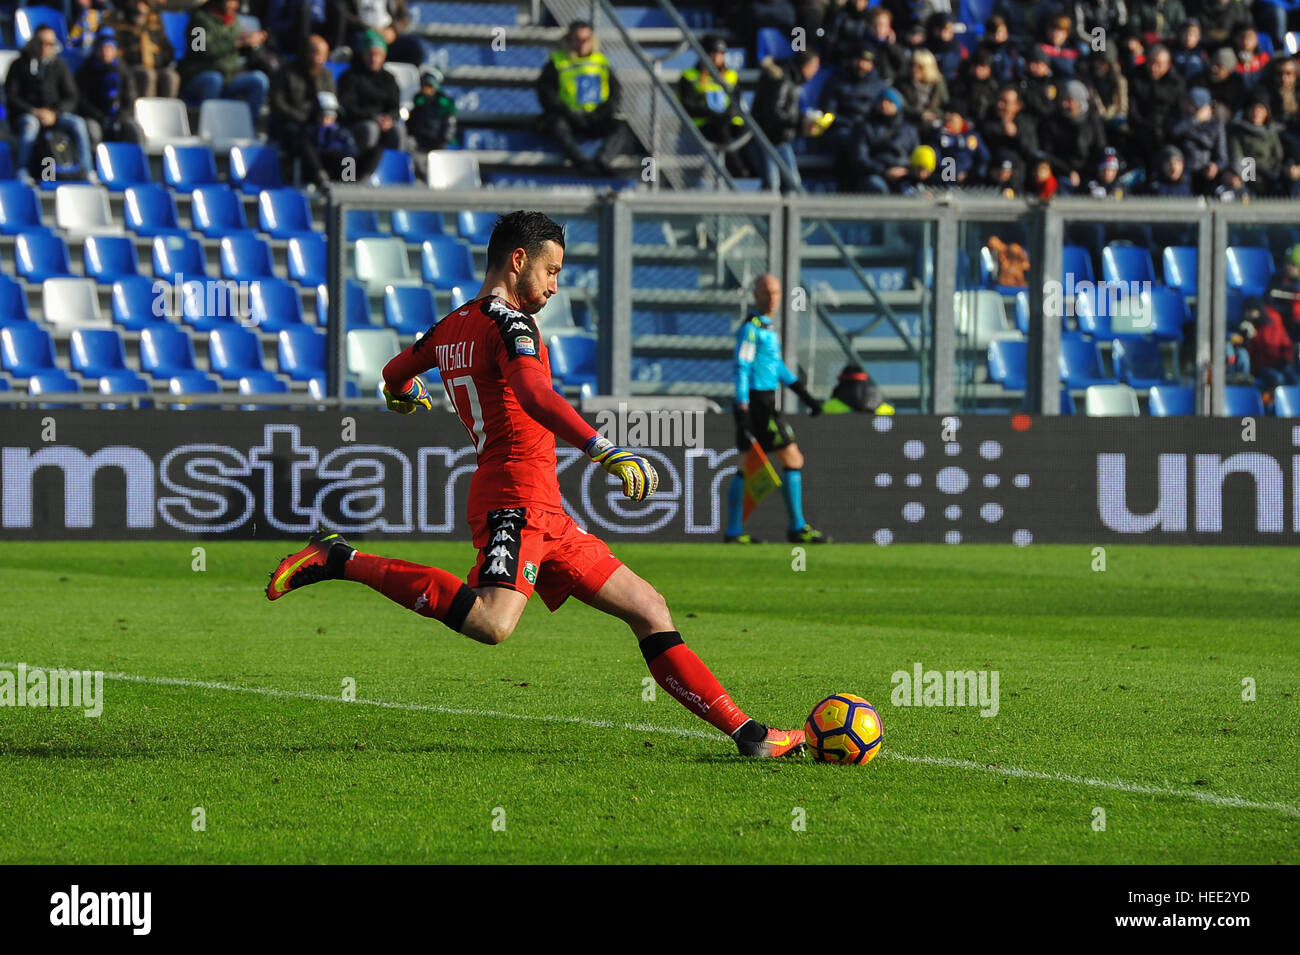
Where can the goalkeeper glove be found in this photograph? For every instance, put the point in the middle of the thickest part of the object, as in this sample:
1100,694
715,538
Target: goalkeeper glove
406,403
637,474
814,406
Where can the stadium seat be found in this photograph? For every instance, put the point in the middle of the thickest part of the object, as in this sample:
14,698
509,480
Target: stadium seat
1008,361
234,352
1067,402
476,227
1241,401
1127,263
283,213
1166,401
1180,268
120,165
123,383
150,210
557,314
225,124
307,259
1092,310
445,261
274,304
7,58
1080,362
26,349
82,210
573,359
408,82
1076,262
316,388
13,301
981,316
1168,313
96,351
774,43
254,168
192,383
246,257
53,381
40,255
262,383
133,303
1138,362
381,262
211,303
301,353
361,224
1286,401
453,169
356,305
178,257
416,225
6,155
188,167
368,350
163,122
1110,401
176,26
216,210
395,169
20,209
106,258
71,303
411,309
1249,269
28,20
1022,311
166,351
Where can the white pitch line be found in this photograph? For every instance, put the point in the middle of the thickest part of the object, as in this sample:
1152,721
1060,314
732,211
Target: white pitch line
1213,799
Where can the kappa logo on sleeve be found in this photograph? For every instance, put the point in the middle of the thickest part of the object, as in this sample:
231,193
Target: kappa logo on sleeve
518,330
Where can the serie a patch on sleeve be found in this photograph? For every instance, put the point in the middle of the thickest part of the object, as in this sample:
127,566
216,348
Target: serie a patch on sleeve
518,330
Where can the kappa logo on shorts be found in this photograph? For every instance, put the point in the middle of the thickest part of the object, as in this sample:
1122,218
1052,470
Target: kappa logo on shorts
502,535
530,572
501,550
497,569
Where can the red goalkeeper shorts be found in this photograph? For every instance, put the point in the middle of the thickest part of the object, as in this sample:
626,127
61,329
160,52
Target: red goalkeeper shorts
528,549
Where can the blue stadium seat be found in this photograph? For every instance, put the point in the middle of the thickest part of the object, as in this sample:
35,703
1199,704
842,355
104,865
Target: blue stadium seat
166,351
810,94
6,162
123,383
176,25
308,264
1067,402
1127,263
1180,268
13,301
446,262
1076,261
27,20
573,359
416,225
1092,311
1249,269
283,213
1008,359
772,42
150,210
193,383
254,168
96,352
246,257
216,211
121,165
476,226
411,309
262,383
1022,311
41,255
1242,400
431,12
356,305
301,353
210,303
234,352
1286,401
1080,362
361,224
178,257
274,304
188,167
396,168
1138,362
1169,400
316,388
20,209
26,349
1168,313
133,303
107,258
52,381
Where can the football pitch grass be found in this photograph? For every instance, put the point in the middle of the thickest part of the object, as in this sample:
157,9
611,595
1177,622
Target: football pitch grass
1121,733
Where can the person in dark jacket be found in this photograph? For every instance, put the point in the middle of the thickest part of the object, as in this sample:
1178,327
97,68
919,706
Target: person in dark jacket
941,40
1221,19
295,108
1038,89
1073,139
432,121
848,33
1253,135
883,154
370,98
1011,133
1203,141
40,93
880,39
1169,176
975,93
1005,57
1156,20
1155,95
779,115
579,93
145,50
851,95
107,94
1191,61
213,67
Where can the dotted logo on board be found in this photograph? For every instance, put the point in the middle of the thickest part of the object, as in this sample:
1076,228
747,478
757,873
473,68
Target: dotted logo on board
973,483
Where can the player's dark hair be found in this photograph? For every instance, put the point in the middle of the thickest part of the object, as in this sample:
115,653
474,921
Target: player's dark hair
522,230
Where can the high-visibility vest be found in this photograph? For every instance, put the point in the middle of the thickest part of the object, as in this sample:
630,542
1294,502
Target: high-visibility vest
718,97
584,81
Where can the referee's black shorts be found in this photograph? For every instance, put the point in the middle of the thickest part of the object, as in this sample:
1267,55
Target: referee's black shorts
766,423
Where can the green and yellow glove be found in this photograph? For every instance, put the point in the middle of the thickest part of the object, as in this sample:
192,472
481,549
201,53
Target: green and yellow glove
637,474
417,397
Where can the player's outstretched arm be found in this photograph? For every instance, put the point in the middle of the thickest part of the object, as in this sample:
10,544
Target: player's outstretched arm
404,390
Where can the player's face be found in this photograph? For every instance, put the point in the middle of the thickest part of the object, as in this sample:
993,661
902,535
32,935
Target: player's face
538,278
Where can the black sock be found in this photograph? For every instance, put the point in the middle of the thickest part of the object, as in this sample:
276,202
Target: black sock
750,732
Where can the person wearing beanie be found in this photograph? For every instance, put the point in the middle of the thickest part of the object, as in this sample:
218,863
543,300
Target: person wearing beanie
1038,89
1227,87
213,65
432,119
976,90
1106,184
882,154
848,32
1190,59
1253,135
1155,97
370,98
1201,137
941,40
1169,177
1231,185
851,94
921,179
1221,19
1072,138
106,93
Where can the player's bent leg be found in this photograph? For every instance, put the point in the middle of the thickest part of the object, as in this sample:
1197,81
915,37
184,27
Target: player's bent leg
634,601
494,615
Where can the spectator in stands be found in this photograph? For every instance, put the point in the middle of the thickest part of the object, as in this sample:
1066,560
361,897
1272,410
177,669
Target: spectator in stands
850,33
1155,21
747,17
1107,16
1253,135
1021,17
145,49
1108,87
1251,60
1008,64
213,66
709,104
1283,292
883,151
851,94
1011,133
963,156
391,20
432,120
976,91
87,20
1227,87
341,156
923,90
921,180
1058,46
41,94
1284,103
1008,178
1105,184
1169,176
295,109
1038,89
370,99
778,112
1201,137
1155,94
579,94
1190,59
1073,138
881,40
1231,185
941,40
106,93
1042,183
1221,19
1271,351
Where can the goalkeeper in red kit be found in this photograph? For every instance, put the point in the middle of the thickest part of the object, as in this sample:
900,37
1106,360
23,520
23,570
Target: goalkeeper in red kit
497,374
